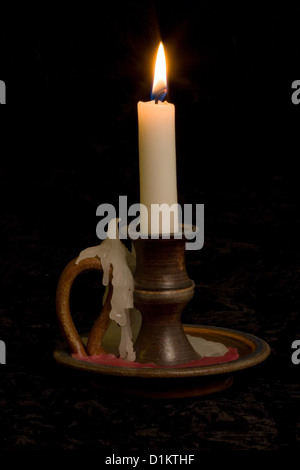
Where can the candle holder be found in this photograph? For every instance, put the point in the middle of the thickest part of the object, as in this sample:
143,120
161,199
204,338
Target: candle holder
162,289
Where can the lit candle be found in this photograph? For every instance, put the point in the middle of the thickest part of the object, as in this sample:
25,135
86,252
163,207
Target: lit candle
157,156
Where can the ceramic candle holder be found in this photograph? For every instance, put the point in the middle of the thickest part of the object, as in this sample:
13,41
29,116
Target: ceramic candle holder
162,289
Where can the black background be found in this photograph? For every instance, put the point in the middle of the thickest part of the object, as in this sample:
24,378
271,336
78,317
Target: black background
69,143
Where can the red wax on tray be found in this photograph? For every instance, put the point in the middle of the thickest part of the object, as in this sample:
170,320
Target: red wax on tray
112,360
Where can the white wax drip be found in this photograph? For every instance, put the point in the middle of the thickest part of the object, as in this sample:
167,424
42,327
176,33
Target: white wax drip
207,348
126,345
112,252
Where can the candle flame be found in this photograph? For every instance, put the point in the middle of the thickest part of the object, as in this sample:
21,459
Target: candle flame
159,89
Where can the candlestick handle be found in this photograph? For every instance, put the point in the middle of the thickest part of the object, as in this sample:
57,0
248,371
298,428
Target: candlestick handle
69,331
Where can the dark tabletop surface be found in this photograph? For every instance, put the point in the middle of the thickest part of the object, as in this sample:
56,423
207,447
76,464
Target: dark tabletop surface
69,143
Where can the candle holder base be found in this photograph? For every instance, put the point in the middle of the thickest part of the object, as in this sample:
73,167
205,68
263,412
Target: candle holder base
173,381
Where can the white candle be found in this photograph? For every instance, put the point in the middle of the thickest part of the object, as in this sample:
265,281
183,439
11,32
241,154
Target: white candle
157,156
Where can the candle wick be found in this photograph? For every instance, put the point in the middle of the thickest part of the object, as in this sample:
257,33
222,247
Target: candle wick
161,95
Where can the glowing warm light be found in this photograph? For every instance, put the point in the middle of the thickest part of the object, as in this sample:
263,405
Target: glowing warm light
160,76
